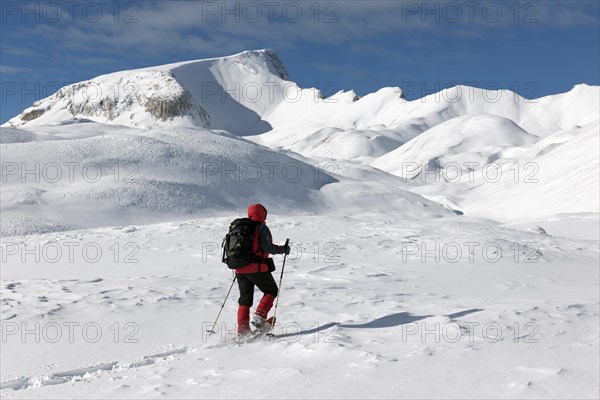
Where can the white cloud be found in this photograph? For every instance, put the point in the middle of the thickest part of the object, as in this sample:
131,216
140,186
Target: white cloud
11,70
193,27
17,51
202,29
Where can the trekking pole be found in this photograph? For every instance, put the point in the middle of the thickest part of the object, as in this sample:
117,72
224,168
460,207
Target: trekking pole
210,332
287,241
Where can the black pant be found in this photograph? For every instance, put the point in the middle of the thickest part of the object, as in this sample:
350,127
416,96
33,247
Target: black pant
246,282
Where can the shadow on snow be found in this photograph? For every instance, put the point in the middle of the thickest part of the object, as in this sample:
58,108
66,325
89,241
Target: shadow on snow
388,321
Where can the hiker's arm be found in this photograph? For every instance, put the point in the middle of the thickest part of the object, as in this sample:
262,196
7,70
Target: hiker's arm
266,242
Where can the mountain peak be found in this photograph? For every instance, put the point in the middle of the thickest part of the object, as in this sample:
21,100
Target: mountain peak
202,93
271,59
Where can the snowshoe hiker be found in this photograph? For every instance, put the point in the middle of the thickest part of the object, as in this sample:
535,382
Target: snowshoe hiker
256,271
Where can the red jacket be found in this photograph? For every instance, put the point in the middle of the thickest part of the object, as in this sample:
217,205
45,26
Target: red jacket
262,243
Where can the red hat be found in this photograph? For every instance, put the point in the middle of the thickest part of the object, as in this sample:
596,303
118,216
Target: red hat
257,212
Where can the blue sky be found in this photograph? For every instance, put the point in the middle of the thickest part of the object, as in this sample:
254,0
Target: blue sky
533,47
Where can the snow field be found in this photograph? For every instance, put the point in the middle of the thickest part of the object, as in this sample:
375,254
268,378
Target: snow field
357,317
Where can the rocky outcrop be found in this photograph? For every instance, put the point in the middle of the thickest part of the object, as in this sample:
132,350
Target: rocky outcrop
163,109
156,93
275,64
91,107
31,115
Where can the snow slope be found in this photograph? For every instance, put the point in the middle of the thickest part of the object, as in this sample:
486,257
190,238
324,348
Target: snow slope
488,166
53,177
479,138
355,309
128,176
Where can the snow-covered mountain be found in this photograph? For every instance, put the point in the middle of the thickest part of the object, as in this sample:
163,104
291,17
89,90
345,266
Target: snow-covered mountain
172,121
164,143
217,93
252,92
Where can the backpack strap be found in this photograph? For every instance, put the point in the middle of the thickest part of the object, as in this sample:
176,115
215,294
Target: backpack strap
223,246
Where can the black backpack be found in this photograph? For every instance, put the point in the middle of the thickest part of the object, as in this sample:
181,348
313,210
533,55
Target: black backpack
237,244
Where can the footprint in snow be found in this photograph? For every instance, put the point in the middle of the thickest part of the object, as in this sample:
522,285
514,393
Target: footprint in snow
70,375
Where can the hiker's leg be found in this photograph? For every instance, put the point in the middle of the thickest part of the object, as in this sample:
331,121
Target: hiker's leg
266,283
245,302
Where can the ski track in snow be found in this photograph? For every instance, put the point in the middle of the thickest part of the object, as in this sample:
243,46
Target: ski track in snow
347,321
